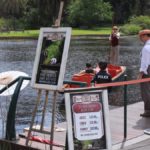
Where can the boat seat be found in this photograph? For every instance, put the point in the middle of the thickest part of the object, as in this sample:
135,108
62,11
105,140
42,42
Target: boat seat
114,72
85,77
110,66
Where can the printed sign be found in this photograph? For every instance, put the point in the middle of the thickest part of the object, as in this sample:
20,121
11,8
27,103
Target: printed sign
88,119
52,50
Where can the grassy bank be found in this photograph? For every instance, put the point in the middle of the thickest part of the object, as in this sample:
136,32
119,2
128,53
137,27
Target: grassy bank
35,33
96,31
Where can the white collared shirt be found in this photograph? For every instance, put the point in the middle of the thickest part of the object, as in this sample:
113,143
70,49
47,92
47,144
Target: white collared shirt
145,58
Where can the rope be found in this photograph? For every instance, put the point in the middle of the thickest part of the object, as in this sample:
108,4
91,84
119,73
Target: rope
105,85
123,83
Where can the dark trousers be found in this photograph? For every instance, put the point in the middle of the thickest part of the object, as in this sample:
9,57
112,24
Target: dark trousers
145,92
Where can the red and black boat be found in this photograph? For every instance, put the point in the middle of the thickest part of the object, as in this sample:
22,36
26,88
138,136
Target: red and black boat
115,71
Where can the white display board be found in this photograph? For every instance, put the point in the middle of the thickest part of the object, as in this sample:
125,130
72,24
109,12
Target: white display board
88,117
51,58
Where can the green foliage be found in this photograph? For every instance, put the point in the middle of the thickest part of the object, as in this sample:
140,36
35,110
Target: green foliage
93,31
88,13
85,13
142,21
11,24
53,51
29,18
136,24
5,24
2,23
130,29
41,13
13,8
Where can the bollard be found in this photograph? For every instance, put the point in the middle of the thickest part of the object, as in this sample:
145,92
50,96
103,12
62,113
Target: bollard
125,108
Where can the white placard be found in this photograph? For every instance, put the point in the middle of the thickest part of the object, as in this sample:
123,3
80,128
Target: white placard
88,117
89,125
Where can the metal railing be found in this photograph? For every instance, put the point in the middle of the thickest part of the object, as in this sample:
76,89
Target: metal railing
10,124
12,83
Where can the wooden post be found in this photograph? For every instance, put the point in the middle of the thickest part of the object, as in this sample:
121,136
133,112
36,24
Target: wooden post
44,110
58,20
53,118
33,116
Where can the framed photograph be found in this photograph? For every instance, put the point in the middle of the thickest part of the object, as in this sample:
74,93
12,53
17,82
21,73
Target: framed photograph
51,58
88,120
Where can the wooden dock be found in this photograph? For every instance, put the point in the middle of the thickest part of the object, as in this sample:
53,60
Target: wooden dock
135,128
135,125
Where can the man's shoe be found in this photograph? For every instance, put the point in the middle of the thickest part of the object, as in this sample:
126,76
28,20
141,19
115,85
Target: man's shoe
145,115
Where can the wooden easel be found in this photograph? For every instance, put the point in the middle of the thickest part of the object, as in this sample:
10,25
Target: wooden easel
41,130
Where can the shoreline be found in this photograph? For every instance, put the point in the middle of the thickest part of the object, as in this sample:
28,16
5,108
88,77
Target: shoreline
100,36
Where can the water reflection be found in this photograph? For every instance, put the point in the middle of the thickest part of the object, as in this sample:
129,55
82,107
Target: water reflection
19,55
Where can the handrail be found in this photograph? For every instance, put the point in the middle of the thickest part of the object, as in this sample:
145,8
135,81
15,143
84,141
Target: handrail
105,85
12,83
10,124
81,84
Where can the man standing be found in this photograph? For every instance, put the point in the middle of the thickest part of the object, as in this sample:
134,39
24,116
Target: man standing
114,42
145,71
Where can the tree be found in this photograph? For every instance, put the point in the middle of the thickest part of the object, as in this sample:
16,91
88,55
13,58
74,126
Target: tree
51,9
41,12
88,12
13,8
124,9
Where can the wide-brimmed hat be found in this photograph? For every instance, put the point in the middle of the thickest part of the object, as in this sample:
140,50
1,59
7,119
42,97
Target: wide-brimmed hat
115,28
144,32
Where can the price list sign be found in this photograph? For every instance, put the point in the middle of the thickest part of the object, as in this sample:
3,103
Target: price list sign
88,118
52,50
